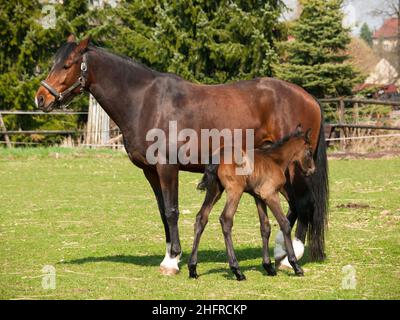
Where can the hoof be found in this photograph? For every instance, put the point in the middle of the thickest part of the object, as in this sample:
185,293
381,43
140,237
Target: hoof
240,277
193,272
299,273
269,268
168,271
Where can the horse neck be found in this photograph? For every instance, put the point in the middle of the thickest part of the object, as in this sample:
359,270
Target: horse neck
284,155
117,85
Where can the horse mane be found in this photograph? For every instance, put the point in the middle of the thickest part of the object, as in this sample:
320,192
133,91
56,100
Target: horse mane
62,54
122,58
279,143
132,62
65,50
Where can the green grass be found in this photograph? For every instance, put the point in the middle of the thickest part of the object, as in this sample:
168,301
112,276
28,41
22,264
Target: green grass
92,215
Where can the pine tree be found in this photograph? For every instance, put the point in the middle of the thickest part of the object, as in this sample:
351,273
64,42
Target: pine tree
316,59
366,34
26,49
206,41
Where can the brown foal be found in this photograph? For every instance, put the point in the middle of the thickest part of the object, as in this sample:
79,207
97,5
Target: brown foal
265,182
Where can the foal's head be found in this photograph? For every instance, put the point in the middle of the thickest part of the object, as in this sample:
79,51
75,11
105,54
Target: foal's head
63,82
304,154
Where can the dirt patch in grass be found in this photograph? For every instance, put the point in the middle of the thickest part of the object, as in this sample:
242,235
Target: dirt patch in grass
351,205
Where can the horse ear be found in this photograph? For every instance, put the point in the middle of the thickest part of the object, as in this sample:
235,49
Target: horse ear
71,38
308,135
83,45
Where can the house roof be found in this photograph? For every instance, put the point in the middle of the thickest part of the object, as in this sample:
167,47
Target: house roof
389,29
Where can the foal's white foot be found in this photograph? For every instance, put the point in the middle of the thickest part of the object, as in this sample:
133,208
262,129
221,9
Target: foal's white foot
170,266
280,253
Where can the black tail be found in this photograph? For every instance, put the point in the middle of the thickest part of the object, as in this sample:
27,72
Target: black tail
209,178
320,191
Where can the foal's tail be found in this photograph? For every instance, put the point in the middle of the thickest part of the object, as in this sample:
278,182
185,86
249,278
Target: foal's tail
210,177
320,190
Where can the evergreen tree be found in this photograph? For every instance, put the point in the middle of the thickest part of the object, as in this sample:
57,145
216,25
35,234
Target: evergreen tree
207,41
316,59
26,49
366,34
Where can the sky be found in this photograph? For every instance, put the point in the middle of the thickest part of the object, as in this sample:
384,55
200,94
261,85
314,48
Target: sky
356,13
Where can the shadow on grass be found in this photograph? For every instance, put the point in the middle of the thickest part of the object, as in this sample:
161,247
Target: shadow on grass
242,254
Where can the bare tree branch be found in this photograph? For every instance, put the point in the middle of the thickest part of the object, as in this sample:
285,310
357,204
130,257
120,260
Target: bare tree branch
390,8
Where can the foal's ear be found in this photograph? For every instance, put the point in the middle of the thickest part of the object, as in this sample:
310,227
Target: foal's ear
307,136
83,45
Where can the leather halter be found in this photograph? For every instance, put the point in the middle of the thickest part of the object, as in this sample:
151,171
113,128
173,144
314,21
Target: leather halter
81,82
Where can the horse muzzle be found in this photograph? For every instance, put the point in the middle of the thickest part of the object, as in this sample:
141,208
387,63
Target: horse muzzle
40,102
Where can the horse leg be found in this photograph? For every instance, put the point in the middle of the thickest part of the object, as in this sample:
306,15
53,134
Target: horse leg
302,203
152,178
265,228
168,176
212,196
302,223
226,220
274,204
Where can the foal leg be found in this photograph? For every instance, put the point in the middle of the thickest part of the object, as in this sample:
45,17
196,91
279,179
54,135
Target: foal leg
301,205
291,192
265,228
212,196
274,203
280,251
226,220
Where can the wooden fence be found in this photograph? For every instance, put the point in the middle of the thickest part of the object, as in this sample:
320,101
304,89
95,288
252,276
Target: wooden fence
98,127
342,127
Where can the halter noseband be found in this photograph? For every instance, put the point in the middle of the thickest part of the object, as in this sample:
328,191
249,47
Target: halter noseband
81,82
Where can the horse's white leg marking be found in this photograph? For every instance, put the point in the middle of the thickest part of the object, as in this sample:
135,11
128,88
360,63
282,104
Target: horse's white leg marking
169,266
280,253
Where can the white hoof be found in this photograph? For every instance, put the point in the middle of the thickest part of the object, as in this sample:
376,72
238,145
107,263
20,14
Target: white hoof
170,266
280,252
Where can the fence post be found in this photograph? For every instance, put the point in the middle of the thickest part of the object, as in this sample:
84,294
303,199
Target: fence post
4,131
356,113
341,121
98,126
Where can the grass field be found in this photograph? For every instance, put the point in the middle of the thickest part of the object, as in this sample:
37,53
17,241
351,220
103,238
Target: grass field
92,216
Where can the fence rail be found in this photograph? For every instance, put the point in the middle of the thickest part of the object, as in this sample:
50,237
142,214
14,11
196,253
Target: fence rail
342,126
362,101
331,128
19,112
45,132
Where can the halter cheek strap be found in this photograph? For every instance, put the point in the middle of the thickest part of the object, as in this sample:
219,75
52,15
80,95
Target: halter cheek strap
81,82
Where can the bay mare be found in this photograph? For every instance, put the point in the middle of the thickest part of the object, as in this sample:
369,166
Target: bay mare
139,99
